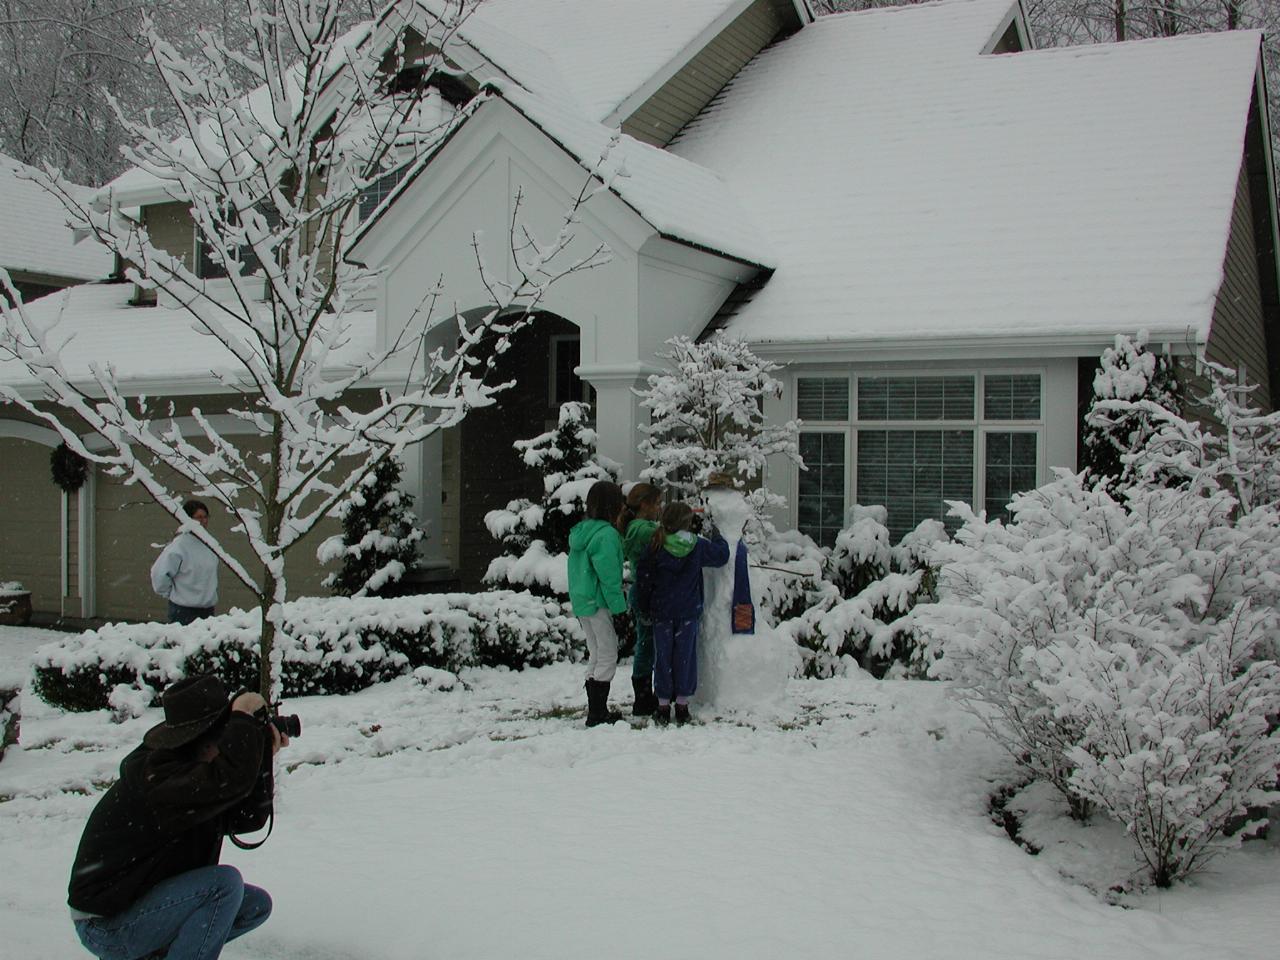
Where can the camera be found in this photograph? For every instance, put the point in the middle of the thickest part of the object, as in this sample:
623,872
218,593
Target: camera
289,725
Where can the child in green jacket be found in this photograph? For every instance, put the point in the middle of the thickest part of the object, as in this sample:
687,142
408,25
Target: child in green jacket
639,521
595,590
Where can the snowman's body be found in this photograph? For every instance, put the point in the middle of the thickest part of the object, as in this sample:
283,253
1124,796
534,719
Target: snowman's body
737,671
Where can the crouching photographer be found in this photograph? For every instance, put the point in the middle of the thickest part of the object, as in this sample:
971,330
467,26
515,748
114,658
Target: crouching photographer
146,879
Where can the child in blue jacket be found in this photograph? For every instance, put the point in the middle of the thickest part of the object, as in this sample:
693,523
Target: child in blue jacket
669,589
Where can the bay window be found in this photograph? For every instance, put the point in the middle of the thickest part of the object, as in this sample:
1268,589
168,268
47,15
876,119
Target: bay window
911,443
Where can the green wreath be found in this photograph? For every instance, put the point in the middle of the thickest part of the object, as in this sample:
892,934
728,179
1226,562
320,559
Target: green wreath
69,468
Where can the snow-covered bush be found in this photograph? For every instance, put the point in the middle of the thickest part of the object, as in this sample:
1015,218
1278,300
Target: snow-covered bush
1235,447
379,540
791,566
857,614
1080,629
1177,745
1130,380
708,422
10,591
10,717
535,536
335,645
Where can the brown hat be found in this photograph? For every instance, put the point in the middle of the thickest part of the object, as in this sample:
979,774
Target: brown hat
191,707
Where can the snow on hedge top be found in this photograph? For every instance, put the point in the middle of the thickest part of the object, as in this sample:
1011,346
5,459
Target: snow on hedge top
604,51
145,344
913,187
35,236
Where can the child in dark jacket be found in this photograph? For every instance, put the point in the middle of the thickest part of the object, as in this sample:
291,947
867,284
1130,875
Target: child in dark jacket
639,521
595,590
670,591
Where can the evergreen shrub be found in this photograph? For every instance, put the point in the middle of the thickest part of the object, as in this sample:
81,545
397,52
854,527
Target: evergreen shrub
328,646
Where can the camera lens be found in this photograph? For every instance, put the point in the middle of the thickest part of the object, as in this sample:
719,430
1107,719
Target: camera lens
289,725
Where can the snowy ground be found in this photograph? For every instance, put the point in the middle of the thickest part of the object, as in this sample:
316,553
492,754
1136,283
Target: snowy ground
487,823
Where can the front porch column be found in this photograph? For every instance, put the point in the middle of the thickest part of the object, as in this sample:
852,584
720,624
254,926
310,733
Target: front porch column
618,411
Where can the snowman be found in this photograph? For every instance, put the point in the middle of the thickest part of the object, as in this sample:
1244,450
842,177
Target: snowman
737,670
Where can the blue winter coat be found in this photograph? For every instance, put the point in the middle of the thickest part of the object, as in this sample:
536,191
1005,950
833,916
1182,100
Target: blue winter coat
669,579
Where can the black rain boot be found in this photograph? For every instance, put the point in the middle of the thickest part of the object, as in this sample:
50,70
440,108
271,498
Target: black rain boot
662,713
645,702
598,711
682,714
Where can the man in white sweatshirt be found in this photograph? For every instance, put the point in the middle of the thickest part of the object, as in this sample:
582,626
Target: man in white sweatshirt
186,572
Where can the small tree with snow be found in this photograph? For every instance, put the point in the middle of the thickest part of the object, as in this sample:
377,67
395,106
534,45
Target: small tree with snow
273,178
379,540
1130,381
708,421
858,614
535,534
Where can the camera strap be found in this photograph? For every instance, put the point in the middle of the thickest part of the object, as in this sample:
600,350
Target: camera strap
255,844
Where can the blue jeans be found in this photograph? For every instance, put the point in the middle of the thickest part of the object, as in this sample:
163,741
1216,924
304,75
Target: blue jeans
184,615
187,917
642,664
675,647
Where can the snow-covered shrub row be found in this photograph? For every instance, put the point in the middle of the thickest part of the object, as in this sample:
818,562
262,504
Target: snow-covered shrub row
853,611
1120,650
331,645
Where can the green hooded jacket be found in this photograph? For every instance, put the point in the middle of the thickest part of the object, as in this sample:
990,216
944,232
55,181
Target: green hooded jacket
595,568
636,543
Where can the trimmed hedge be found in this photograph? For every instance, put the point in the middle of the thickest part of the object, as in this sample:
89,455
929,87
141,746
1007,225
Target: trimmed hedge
330,645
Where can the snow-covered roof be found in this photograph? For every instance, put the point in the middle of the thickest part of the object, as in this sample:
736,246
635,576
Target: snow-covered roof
604,52
35,237
681,200
585,55
914,188
157,347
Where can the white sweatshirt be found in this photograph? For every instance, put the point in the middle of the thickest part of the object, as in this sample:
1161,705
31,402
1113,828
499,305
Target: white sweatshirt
186,572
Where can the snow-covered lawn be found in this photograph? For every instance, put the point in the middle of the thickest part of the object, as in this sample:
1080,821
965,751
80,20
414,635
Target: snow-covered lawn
487,823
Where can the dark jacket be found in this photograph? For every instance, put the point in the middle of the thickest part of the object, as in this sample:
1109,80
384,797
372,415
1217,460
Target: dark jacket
168,813
669,579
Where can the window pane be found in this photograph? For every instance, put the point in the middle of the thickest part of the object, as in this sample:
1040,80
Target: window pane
1010,468
822,398
915,398
1011,397
379,190
567,385
912,473
821,491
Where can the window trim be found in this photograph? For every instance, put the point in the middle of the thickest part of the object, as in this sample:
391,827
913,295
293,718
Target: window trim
847,480
553,376
978,424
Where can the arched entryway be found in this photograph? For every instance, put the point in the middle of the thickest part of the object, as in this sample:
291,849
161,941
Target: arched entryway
482,470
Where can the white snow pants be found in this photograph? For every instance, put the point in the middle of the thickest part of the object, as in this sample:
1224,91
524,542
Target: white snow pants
602,645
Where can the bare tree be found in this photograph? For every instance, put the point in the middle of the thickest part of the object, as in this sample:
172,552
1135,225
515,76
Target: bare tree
273,179
57,57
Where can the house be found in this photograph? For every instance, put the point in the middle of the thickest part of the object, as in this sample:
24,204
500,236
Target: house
935,226
36,246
